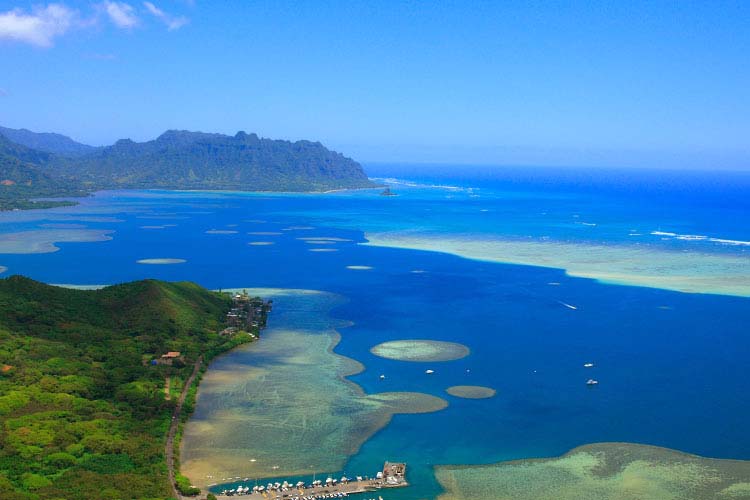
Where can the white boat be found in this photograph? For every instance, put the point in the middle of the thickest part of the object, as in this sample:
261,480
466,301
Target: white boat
382,377
429,372
588,365
591,381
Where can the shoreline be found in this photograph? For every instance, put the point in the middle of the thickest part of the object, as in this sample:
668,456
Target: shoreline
72,201
377,409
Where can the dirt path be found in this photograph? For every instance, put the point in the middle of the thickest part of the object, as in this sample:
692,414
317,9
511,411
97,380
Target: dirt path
169,451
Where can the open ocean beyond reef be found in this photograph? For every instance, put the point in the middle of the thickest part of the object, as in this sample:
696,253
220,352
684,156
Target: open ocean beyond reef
672,366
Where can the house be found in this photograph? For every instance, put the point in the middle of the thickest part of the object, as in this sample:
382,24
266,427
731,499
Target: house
169,358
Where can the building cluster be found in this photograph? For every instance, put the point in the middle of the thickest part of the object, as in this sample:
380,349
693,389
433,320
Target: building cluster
247,314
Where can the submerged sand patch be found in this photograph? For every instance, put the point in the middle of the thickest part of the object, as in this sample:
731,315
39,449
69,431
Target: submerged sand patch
62,225
159,261
44,240
284,401
471,391
603,471
221,231
324,238
635,265
420,350
3,269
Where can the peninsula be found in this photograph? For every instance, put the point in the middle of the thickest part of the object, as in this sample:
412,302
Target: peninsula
95,384
36,165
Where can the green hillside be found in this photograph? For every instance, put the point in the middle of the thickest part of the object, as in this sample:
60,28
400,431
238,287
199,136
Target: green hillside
83,412
23,176
47,165
194,160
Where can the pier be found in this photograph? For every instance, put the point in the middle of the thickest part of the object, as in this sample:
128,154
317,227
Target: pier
393,475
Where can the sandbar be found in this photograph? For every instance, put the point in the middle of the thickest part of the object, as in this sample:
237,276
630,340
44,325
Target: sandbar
471,391
602,471
634,265
420,350
43,240
159,261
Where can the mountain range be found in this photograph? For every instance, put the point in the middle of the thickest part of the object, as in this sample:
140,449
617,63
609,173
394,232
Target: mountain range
46,165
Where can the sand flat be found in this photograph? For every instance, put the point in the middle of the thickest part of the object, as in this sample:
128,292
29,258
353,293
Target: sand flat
635,265
471,391
603,471
420,350
161,261
44,240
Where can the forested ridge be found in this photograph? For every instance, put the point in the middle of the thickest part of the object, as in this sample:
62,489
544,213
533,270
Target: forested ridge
44,165
83,408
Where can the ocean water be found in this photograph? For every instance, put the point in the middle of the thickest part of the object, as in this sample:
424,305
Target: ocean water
672,366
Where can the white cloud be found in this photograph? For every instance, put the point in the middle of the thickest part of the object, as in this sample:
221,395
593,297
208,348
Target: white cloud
171,22
40,27
121,14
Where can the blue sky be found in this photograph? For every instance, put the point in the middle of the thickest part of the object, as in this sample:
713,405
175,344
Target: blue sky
647,84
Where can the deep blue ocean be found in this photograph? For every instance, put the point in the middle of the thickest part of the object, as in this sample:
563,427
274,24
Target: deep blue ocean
673,367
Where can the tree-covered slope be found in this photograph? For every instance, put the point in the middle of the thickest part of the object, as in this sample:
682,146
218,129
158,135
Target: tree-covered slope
23,175
194,160
48,165
83,412
46,141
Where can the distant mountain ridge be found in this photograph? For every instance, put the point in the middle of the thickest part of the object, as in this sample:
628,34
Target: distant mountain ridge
177,159
46,141
23,175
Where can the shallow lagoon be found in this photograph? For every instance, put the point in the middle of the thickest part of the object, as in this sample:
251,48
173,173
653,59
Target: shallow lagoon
282,405
656,352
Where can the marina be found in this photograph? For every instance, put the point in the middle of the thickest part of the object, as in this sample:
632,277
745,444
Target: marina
393,475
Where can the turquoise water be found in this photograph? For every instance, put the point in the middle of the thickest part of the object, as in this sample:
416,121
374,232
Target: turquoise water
672,366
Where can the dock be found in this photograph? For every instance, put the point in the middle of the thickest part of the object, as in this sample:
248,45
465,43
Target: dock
393,475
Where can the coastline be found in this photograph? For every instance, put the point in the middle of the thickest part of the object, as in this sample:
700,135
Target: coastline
296,388
50,202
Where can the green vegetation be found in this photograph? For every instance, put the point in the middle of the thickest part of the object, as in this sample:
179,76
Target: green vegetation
83,412
44,165
23,176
